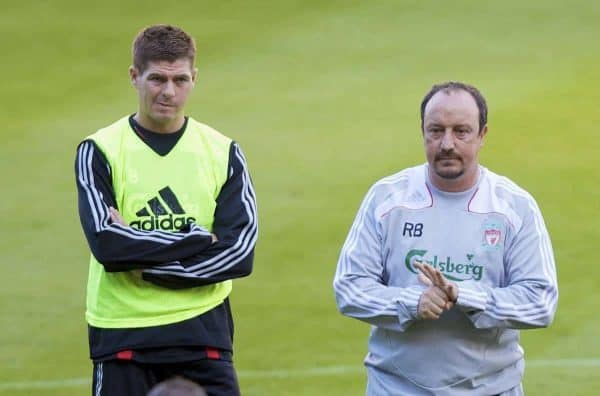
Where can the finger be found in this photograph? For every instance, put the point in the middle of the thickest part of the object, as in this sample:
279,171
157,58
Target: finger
418,266
447,286
113,215
449,305
428,270
440,293
430,316
423,275
453,288
435,309
437,301
116,216
437,278
434,296
425,312
424,280
423,307
440,278
425,269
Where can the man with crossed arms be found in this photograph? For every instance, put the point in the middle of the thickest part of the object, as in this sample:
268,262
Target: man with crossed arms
447,261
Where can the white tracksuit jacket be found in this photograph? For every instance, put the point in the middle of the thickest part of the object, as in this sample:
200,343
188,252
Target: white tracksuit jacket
491,240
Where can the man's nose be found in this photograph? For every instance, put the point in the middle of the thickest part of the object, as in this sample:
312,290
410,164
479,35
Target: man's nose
169,89
447,140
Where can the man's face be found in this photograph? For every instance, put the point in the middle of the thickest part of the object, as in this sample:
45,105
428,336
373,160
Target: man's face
452,139
163,89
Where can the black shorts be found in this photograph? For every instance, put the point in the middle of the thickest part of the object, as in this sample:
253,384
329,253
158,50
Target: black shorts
131,378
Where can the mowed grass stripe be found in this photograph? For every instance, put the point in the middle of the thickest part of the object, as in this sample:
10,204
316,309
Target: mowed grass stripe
291,373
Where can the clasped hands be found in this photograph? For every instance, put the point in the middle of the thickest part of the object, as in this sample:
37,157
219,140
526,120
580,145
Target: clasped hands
440,295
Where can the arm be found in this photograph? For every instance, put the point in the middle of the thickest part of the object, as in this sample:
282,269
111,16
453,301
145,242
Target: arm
236,228
358,284
530,297
119,247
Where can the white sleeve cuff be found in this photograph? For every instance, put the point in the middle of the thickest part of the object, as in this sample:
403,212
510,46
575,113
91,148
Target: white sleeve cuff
471,297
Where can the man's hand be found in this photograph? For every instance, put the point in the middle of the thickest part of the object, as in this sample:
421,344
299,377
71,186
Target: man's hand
432,303
116,217
437,279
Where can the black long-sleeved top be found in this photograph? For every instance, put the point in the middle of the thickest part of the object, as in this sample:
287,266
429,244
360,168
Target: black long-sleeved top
182,259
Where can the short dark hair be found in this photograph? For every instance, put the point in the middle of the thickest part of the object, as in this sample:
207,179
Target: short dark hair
162,42
451,86
177,386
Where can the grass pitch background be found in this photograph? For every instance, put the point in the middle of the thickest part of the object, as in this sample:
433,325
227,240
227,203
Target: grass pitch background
323,96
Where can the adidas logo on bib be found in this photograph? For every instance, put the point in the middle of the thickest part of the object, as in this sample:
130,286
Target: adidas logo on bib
155,216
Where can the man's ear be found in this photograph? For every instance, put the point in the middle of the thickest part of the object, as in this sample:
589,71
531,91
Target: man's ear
482,133
194,74
133,74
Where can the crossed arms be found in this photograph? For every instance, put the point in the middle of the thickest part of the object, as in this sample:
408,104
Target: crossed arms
188,258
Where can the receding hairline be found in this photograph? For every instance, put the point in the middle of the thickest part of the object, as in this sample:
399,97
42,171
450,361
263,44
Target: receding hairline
449,92
455,86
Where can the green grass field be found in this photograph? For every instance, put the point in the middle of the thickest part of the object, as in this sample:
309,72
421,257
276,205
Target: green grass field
323,96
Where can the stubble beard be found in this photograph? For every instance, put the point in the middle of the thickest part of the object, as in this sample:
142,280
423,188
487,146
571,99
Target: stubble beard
449,172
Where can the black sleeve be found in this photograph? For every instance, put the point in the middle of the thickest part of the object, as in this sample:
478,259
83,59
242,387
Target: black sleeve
236,228
117,247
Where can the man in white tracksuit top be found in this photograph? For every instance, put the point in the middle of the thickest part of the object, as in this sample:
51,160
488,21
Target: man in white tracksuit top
446,261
